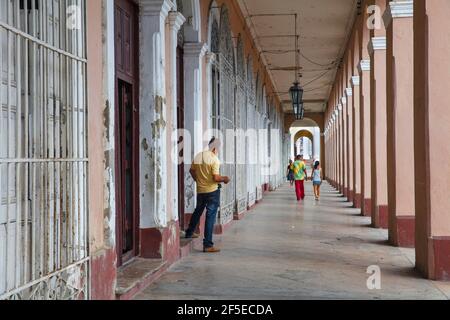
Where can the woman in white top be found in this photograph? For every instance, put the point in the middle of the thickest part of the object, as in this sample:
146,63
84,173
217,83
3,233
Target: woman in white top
317,179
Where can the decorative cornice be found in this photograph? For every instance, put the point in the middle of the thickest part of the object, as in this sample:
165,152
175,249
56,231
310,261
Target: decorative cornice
195,49
377,43
356,81
349,92
401,9
364,65
156,7
176,20
398,9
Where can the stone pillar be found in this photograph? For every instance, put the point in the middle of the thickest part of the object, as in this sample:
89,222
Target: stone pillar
317,144
365,120
356,137
158,233
349,160
175,20
193,116
431,137
344,124
377,50
400,119
341,146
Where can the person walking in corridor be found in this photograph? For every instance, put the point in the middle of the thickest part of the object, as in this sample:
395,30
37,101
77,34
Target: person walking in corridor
290,173
317,179
300,174
206,173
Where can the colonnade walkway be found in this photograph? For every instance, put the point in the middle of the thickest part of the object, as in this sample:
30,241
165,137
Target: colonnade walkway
288,250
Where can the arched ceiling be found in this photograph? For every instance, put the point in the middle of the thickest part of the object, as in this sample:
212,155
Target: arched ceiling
303,133
306,122
324,27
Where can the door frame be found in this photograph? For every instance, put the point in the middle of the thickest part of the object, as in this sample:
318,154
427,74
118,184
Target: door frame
133,80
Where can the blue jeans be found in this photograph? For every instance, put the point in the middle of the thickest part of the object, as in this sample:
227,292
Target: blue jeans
210,201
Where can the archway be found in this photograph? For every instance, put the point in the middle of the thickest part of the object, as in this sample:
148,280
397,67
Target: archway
307,129
303,144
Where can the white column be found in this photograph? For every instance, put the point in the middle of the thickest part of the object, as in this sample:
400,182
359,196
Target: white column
193,106
193,66
210,59
153,160
316,148
176,21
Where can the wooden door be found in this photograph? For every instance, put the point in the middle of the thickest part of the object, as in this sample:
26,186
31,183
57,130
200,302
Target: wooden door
127,130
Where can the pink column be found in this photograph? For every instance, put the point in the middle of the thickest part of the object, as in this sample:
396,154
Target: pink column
356,141
344,145
432,136
400,120
349,155
365,120
364,77
377,50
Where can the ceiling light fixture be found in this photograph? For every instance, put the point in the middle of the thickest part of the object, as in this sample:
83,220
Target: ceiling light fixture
296,91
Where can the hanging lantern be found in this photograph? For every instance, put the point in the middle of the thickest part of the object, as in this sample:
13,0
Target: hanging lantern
296,93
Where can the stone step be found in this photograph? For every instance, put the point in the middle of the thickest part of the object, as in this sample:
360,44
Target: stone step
137,275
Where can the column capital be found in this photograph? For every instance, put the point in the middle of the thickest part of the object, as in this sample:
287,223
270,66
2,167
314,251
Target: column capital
398,9
343,101
175,20
364,65
356,81
349,92
195,49
156,7
376,43
338,108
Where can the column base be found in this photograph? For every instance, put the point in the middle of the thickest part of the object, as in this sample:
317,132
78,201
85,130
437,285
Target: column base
380,217
103,274
441,251
222,228
345,192
367,209
402,231
239,216
436,262
161,243
357,200
351,196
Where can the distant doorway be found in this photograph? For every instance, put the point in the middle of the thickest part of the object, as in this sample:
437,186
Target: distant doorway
180,125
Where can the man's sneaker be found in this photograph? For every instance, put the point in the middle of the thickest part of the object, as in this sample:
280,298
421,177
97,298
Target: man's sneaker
211,250
194,236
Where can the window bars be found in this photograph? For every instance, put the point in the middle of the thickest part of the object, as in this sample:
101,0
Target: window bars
43,150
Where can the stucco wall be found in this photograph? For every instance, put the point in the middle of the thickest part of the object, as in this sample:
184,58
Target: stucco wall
95,120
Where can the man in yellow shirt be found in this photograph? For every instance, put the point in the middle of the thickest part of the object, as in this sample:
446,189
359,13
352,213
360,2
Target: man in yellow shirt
206,173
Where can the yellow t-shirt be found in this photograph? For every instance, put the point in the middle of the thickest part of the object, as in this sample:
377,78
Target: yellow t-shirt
206,165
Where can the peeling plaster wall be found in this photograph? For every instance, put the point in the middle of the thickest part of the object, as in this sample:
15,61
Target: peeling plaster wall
154,160
108,124
100,37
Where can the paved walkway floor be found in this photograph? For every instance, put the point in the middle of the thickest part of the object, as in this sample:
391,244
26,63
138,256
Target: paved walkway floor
288,250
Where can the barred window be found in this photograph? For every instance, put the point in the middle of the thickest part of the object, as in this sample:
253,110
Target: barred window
43,150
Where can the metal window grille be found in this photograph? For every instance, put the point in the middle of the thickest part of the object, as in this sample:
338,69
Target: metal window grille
241,124
43,150
227,116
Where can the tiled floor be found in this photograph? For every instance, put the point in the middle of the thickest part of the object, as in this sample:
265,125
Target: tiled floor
288,250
